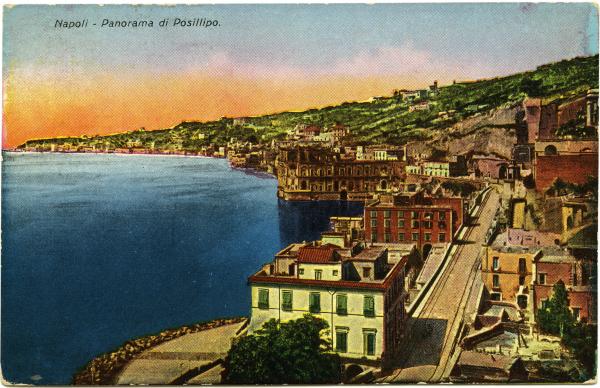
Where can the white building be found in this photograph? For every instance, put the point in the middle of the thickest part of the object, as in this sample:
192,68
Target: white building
355,289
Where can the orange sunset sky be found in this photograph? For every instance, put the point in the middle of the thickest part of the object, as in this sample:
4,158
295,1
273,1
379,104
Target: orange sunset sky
260,59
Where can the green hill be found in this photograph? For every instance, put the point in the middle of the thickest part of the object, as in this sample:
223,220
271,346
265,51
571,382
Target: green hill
384,120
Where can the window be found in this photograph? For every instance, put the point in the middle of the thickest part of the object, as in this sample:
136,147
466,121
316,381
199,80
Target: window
341,341
318,274
341,304
442,237
401,223
387,214
263,298
301,271
542,278
415,236
373,222
496,263
415,214
495,296
415,224
427,236
400,214
521,280
442,216
369,343
544,304
429,216
374,236
369,306
286,300
386,223
335,272
576,312
400,236
495,281
427,224
373,214
387,237
314,300
366,272
522,265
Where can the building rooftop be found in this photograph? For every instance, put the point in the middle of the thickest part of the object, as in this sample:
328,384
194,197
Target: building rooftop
556,255
526,238
369,254
323,254
479,359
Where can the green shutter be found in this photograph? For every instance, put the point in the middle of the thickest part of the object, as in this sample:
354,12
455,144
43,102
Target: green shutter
342,304
370,344
341,342
286,300
263,299
315,302
369,306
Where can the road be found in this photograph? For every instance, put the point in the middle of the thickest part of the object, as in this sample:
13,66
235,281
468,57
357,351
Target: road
433,330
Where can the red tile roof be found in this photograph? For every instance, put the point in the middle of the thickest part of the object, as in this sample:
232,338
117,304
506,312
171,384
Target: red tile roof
320,254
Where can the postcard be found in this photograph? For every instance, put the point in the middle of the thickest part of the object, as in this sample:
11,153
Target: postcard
299,194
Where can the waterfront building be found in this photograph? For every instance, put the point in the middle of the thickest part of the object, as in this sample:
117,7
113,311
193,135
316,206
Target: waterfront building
413,218
361,296
321,173
352,227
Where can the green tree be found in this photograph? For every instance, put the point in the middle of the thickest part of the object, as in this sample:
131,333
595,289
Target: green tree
294,352
555,315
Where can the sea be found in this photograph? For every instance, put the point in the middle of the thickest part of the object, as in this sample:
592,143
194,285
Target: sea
98,249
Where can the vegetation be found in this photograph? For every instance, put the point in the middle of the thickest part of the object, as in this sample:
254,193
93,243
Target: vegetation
295,352
463,189
382,120
555,318
560,188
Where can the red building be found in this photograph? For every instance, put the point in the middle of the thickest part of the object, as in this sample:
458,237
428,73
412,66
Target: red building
570,160
416,219
557,265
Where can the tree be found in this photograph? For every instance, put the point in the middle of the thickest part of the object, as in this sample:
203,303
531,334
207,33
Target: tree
294,352
580,338
555,315
531,87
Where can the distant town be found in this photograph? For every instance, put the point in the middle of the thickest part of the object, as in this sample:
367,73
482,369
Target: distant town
474,259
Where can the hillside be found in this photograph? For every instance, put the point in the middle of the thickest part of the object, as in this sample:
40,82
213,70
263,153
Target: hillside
384,120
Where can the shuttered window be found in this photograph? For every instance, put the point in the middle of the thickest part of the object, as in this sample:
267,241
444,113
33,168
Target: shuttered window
314,302
341,341
369,306
342,305
286,300
369,343
263,299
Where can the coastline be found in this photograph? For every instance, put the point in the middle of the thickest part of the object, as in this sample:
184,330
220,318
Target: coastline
250,170
105,368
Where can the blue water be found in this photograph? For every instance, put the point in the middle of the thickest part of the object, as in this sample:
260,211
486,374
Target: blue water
98,249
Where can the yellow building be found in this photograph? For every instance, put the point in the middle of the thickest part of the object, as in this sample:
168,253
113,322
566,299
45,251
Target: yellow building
436,168
506,272
360,296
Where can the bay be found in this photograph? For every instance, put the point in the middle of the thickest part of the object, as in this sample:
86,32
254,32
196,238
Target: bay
100,249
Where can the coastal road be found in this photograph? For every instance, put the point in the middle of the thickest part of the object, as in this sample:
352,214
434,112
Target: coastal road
434,327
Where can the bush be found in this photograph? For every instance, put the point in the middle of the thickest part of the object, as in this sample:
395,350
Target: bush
294,352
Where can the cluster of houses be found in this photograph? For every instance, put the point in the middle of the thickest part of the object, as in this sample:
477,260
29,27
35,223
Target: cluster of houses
358,277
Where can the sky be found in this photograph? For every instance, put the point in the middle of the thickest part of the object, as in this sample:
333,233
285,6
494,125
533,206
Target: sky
260,58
